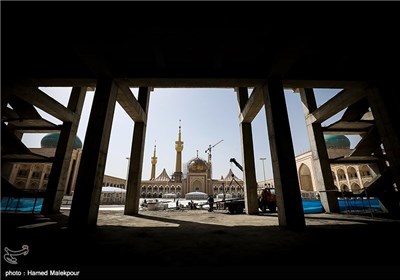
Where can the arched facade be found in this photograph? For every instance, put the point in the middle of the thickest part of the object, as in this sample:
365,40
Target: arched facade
192,182
354,176
305,178
35,176
351,177
111,181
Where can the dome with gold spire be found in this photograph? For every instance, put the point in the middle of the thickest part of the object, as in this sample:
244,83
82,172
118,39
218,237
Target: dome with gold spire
197,165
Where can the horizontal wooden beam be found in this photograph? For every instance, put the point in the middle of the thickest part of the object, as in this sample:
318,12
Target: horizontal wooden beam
368,144
26,158
333,131
308,83
340,101
192,82
195,82
130,104
354,160
9,114
37,129
345,127
44,102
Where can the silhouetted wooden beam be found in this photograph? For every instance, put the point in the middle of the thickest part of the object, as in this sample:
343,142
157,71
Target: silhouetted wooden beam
340,101
356,111
24,109
253,105
344,127
26,158
130,104
293,83
41,100
33,124
355,160
368,144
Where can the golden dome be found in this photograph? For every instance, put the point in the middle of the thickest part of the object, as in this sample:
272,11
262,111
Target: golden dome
197,165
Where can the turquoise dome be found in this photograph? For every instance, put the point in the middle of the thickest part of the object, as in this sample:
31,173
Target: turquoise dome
51,141
336,141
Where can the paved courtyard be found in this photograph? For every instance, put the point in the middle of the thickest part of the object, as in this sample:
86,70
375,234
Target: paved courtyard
194,243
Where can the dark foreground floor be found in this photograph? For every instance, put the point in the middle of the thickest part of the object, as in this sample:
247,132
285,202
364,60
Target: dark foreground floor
326,249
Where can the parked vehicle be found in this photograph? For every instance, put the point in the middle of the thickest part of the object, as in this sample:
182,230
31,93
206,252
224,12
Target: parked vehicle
266,201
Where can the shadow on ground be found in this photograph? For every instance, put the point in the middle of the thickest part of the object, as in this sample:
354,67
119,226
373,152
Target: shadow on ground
191,249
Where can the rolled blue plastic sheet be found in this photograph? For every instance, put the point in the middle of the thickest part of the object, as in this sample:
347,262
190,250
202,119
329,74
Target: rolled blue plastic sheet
21,204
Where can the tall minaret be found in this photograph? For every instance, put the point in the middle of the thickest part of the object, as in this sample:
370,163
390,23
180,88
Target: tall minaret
178,148
153,164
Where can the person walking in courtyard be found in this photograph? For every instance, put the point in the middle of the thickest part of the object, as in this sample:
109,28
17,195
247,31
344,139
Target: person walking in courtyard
210,201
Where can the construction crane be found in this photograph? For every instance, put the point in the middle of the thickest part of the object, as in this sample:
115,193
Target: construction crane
209,150
236,163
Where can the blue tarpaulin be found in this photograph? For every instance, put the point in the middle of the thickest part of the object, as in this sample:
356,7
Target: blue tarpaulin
314,205
21,204
34,205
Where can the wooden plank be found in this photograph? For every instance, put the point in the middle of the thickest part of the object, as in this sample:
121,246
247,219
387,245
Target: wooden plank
130,104
26,158
32,123
323,83
340,101
41,100
368,144
253,105
355,160
344,127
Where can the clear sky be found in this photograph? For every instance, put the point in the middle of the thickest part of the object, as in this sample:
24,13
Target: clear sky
207,116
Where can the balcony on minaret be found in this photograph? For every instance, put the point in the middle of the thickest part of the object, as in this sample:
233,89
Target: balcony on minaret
153,164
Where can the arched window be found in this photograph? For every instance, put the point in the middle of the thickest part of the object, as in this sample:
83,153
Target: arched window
34,185
23,173
20,184
197,185
344,188
352,173
365,171
305,178
341,175
355,188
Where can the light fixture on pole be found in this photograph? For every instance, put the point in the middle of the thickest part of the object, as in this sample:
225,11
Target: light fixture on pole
263,159
127,171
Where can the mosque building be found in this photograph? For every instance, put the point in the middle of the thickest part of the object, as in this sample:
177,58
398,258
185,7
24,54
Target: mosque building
346,177
194,180
34,176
